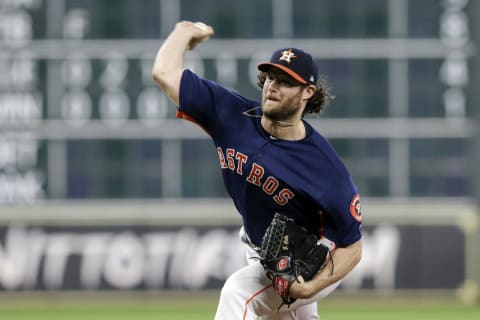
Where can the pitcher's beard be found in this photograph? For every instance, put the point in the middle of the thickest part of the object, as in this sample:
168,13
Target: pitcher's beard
283,113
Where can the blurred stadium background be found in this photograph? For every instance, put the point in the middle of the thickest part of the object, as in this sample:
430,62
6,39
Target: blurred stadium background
104,193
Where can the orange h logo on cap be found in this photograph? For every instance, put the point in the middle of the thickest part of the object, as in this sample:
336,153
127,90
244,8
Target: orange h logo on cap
287,55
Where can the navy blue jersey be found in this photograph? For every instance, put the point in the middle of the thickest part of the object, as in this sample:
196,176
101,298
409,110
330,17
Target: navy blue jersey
304,179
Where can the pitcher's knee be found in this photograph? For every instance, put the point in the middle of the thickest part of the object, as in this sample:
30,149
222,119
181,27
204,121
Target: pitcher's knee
231,289
232,301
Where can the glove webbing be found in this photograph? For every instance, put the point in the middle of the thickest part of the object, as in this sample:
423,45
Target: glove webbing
277,232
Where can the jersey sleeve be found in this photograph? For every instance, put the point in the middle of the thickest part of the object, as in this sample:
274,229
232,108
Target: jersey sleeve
210,105
197,100
343,214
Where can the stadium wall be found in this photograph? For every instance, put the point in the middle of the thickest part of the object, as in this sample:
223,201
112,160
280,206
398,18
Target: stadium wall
415,245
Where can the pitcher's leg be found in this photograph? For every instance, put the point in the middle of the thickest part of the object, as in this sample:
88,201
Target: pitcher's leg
248,294
242,296
301,309
308,312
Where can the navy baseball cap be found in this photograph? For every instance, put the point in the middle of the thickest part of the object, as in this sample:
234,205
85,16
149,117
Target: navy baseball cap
297,63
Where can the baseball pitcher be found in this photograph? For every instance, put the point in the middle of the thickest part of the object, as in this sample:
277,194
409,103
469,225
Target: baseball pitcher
300,208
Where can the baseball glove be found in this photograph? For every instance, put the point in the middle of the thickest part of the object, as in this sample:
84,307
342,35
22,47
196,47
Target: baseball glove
289,251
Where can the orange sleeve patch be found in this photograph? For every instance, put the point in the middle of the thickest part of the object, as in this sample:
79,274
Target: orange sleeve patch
356,208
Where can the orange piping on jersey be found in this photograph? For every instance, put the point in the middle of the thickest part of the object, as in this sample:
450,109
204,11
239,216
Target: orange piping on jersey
250,300
183,115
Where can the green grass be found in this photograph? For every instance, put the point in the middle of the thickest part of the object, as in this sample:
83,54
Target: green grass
193,307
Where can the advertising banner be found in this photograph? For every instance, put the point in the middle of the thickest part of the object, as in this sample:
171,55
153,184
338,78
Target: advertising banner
155,257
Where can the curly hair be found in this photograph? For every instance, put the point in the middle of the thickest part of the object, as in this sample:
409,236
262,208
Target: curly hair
317,103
